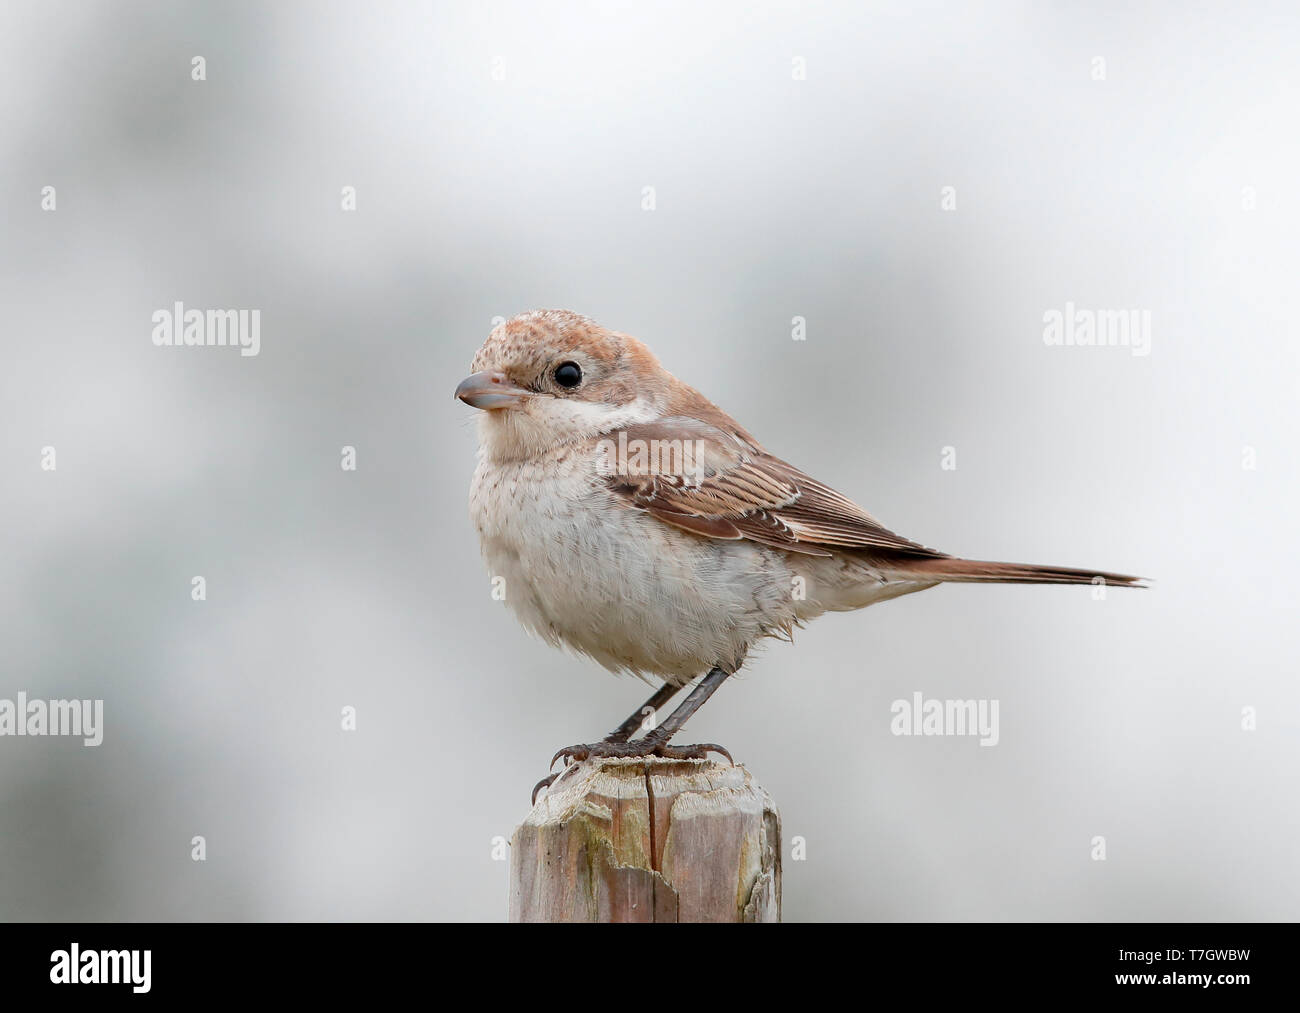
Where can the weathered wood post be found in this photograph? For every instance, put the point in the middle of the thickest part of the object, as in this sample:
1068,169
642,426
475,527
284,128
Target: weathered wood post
634,840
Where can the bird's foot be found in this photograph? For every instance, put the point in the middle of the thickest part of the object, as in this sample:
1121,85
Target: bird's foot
645,747
639,748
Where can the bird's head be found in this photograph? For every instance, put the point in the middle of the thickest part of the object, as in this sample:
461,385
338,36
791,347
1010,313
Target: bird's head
552,377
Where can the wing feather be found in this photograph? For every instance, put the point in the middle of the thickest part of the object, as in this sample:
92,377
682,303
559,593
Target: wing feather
734,489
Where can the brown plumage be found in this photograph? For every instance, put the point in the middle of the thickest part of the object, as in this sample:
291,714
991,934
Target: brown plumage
743,492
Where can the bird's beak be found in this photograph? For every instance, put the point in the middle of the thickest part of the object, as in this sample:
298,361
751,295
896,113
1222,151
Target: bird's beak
490,390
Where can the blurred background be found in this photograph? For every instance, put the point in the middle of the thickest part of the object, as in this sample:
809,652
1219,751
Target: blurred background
799,156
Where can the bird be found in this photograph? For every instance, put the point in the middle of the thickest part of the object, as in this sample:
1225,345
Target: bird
632,520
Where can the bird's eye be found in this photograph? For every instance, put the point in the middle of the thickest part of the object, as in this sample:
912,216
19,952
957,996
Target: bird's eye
568,374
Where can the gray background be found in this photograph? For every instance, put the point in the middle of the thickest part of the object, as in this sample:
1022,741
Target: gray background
776,198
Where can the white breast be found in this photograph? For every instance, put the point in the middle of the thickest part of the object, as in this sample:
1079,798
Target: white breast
633,593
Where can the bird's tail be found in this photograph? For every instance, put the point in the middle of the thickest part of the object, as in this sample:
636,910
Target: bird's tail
978,571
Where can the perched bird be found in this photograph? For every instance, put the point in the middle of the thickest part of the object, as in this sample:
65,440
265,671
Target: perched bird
636,522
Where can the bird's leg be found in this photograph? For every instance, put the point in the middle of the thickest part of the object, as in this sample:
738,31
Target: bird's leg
661,696
654,742
624,731
674,722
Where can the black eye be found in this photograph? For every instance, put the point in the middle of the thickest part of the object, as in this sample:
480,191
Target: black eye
568,374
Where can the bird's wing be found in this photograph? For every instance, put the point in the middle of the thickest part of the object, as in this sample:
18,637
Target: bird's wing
721,484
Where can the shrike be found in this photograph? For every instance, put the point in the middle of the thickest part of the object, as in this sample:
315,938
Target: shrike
636,522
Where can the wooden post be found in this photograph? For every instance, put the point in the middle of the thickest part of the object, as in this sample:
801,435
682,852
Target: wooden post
634,840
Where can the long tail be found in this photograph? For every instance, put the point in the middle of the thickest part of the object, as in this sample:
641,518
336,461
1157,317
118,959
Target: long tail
978,571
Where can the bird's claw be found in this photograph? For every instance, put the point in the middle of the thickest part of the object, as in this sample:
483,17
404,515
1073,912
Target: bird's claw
637,749
698,751
571,754
545,782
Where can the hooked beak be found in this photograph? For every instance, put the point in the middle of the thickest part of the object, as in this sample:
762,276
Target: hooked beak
490,390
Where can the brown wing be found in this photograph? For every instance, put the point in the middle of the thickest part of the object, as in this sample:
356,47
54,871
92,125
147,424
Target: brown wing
723,485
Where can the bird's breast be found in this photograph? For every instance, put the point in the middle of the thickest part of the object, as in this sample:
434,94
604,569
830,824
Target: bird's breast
581,568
